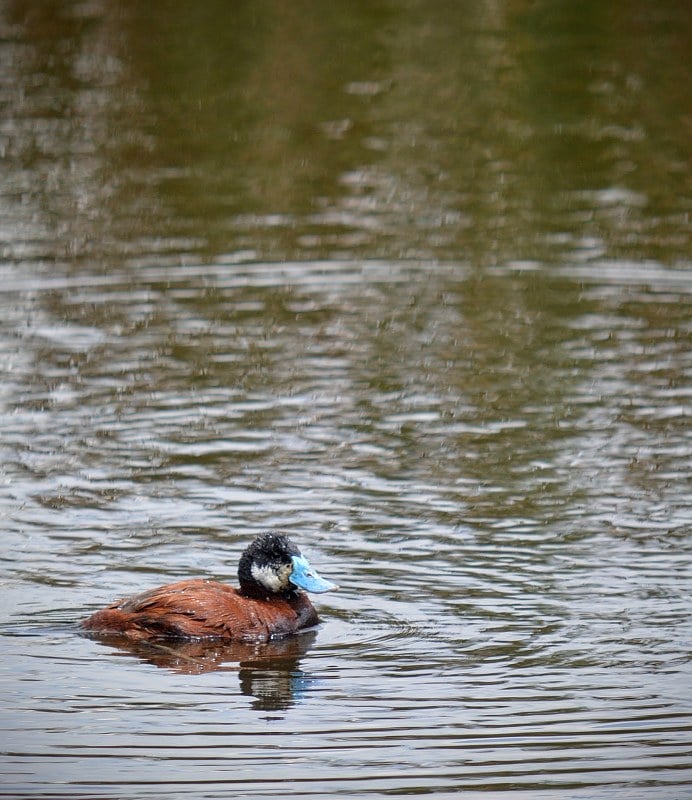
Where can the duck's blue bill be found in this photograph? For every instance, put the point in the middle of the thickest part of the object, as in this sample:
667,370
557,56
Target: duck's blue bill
306,577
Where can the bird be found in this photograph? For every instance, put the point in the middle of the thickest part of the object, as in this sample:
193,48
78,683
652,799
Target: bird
270,602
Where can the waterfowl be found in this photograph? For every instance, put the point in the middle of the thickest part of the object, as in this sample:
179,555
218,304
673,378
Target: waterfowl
270,602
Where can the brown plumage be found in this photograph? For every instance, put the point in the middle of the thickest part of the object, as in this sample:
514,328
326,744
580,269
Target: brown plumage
268,604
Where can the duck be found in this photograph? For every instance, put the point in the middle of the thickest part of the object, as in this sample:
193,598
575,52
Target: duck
270,603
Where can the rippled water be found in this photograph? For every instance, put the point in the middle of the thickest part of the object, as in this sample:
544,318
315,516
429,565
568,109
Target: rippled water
512,544
468,404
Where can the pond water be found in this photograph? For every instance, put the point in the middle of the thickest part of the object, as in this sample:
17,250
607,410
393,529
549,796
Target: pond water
410,282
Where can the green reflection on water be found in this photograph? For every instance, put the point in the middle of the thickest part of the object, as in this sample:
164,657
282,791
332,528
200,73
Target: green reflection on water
482,132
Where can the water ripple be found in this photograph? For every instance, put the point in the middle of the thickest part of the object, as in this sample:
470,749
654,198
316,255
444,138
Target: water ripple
513,553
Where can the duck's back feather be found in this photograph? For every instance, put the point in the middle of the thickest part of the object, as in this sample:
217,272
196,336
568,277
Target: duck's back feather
203,609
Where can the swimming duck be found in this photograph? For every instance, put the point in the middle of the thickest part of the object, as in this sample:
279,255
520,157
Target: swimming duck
269,603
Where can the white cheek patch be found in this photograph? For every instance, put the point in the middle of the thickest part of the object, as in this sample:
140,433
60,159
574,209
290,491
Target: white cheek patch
273,579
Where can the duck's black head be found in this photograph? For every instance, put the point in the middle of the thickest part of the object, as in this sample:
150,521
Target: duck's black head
273,565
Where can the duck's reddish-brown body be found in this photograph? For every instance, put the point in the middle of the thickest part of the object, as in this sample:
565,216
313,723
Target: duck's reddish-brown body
204,609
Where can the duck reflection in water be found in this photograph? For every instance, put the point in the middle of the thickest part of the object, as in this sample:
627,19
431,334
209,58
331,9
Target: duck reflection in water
268,671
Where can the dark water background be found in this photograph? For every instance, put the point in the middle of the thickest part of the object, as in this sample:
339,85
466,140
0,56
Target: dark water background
409,281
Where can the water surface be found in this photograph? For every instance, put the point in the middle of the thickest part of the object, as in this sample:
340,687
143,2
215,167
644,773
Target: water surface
409,283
